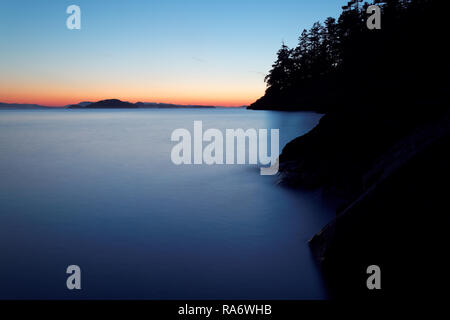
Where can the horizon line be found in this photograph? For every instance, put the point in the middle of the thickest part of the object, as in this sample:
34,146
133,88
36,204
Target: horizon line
51,105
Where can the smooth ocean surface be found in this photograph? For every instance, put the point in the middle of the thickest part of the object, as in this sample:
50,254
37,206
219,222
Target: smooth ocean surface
97,188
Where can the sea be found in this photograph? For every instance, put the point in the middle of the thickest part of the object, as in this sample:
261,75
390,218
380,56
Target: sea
98,189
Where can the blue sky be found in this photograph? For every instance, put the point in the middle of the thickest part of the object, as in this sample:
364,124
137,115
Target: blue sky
177,51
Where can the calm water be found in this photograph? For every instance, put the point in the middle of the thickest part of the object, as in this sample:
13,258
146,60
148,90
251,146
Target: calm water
98,189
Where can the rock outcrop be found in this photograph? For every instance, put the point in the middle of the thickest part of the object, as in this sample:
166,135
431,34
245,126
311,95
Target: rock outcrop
391,173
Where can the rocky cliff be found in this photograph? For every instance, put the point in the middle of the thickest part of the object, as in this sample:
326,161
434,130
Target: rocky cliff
391,173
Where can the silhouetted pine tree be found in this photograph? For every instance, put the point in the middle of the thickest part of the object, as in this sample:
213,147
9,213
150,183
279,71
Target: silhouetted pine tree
282,69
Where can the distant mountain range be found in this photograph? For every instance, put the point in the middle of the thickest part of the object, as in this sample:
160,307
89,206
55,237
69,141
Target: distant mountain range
107,104
21,106
118,104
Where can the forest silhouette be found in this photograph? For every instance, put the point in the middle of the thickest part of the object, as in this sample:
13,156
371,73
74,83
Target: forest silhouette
381,148
342,63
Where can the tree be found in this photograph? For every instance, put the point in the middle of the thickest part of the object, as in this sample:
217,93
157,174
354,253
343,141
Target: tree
331,43
281,70
342,60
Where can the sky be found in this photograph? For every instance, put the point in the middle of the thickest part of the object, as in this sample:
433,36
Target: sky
205,52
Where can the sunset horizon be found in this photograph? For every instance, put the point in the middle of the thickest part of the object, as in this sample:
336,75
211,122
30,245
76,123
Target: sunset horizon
64,103
197,53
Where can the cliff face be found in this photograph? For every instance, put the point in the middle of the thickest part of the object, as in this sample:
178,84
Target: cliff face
392,173
341,153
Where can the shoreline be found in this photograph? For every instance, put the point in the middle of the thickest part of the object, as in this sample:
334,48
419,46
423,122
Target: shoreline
379,166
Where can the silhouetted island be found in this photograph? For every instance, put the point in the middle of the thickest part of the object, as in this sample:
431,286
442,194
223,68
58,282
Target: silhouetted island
118,104
382,147
106,104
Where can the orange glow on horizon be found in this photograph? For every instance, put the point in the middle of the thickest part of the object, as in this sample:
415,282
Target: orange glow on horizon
60,103
60,91
41,95
56,88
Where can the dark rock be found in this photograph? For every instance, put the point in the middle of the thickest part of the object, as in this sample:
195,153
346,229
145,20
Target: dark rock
391,172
